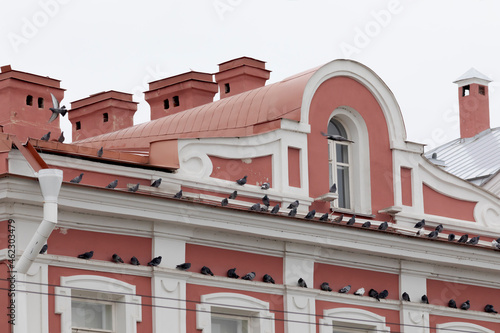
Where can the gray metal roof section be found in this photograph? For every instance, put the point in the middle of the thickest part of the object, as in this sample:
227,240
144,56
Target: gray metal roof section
473,74
473,158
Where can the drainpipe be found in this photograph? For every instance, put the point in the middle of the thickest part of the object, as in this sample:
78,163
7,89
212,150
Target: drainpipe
50,183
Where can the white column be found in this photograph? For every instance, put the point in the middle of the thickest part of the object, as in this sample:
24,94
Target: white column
414,315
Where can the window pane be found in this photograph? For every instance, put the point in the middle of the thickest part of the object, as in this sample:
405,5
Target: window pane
341,152
91,315
343,186
229,325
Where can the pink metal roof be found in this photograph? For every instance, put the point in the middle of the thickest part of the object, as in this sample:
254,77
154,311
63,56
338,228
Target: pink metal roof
235,116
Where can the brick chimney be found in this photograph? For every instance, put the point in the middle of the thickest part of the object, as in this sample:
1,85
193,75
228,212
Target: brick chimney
181,92
240,75
473,103
101,113
24,104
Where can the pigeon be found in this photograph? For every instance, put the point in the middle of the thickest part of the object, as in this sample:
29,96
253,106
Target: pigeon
345,290
360,292
324,217
325,286
352,220
383,226
155,261
46,137
44,249
249,276
264,208
86,255
61,137
231,273
489,308
383,294
134,261
224,202
302,283
433,234
310,214
424,299
112,184
292,212
275,209
333,188
293,205
420,224
336,137
463,238
178,195
495,244
474,240
134,188
100,152
255,207
439,228
233,195
242,181
116,258
452,304
373,293
265,186
268,279
339,218
465,305
77,179
184,267
206,271
451,237
156,183
56,110
265,200
405,297
367,224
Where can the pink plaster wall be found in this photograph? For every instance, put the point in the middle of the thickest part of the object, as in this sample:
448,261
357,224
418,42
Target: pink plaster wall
436,203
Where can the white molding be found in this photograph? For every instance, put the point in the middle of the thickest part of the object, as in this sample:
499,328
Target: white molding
352,317
461,326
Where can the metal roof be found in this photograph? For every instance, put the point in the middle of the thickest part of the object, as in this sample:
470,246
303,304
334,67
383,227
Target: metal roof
471,158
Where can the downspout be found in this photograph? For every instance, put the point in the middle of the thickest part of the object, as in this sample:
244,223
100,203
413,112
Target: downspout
50,183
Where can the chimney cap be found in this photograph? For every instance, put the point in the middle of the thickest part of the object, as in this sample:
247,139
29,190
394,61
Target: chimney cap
472,76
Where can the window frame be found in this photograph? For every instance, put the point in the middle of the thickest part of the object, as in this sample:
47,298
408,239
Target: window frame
352,318
334,164
446,327
95,301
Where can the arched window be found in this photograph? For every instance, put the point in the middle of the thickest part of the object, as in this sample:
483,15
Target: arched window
339,162
461,326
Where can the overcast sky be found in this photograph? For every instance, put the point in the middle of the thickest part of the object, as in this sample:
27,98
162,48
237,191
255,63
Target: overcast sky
417,47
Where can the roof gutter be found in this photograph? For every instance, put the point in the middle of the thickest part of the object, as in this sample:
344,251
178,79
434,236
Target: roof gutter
50,184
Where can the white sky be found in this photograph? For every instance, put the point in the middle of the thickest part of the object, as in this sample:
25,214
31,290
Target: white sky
419,50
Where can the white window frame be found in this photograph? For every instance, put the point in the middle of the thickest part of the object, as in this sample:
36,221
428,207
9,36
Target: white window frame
260,319
351,318
96,301
462,326
127,305
334,164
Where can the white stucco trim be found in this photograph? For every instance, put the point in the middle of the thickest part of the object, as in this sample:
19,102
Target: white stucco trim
261,320
128,309
461,326
351,317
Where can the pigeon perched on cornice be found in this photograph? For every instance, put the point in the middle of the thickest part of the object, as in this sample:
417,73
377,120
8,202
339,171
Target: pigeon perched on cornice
451,237
367,224
292,212
333,188
231,273
352,220
325,286
465,305
373,293
265,200
46,137
310,214
178,195
383,226
405,297
345,289
77,179
424,299
116,258
338,219
61,137
224,202
420,224
463,239
474,240
383,294
206,271
134,261
134,188
86,255
293,205
56,110
233,195
301,283
275,209
433,234
439,228
249,276
452,304
255,207
184,266
100,152
112,184
324,217
360,292
155,261
489,308
242,181
336,137
156,183
265,186
268,279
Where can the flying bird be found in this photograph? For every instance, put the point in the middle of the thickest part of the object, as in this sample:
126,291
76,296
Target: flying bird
275,209
255,207
373,293
206,271
56,109
155,261
134,188
265,200
465,305
345,289
451,237
367,224
77,179
233,195
474,240
439,228
302,283
292,212
46,137
463,239
352,220
242,181
61,137
489,308
178,195
134,261
265,186
360,292
420,224
325,286
249,276
268,279
452,304
100,152
333,188
156,183
293,205
44,249
383,294
424,299
336,137
383,226
324,217
310,214
112,184
184,266
86,255
406,297
116,258
224,202
338,219
231,273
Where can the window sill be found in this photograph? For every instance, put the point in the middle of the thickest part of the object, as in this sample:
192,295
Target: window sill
349,211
